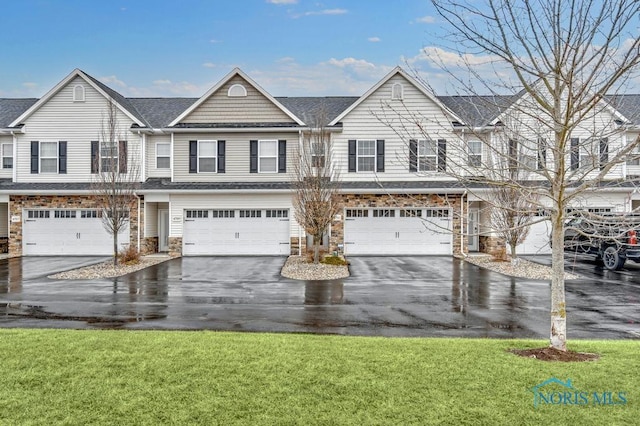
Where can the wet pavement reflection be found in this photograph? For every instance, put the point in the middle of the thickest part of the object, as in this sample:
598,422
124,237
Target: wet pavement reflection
384,296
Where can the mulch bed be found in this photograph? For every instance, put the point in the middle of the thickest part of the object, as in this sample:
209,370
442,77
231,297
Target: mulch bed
552,354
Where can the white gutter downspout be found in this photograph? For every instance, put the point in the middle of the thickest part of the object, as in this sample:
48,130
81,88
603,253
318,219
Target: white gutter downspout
138,197
15,156
462,201
300,136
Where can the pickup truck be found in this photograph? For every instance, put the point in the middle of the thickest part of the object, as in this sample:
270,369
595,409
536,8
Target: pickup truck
612,238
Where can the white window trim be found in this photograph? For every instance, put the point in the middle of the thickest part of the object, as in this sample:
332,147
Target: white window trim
261,157
7,156
397,92
215,157
359,156
471,154
237,91
434,155
101,157
163,156
41,157
77,98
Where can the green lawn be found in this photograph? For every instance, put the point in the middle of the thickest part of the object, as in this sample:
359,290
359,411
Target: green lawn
157,377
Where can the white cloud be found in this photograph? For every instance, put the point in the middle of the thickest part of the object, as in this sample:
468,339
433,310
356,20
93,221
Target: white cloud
214,41
30,85
112,80
209,65
161,82
322,12
282,1
374,39
351,63
426,20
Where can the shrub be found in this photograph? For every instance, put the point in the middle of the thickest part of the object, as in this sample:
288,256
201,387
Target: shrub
129,256
334,260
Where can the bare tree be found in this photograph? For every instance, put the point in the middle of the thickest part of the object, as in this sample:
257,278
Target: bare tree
316,186
559,62
115,179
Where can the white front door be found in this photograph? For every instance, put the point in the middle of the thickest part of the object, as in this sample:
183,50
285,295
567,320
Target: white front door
163,230
472,230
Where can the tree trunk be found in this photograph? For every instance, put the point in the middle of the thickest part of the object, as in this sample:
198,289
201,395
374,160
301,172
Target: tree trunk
558,337
115,249
316,249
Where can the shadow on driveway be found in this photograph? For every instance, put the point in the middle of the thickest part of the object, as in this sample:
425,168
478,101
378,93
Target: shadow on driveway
384,296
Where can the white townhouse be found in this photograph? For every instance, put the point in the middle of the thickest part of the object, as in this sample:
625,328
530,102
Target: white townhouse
214,174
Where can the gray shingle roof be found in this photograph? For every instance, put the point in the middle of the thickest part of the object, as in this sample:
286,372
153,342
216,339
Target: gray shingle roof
627,105
159,112
313,109
478,110
124,102
10,109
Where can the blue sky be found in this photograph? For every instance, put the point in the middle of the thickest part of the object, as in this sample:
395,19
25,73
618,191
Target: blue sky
182,48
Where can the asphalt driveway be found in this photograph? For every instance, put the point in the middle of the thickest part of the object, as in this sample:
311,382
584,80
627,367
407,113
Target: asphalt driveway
384,296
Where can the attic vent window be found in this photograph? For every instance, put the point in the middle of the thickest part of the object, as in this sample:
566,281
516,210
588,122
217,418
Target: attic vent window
78,93
396,91
237,90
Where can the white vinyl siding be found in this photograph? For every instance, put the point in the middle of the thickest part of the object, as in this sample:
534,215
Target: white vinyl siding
253,108
78,123
237,164
361,124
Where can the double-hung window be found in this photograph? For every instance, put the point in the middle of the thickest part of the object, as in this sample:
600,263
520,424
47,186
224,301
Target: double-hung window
163,155
475,153
49,157
108,156
207,156
268,156
317,154
366,156
7,156
427,155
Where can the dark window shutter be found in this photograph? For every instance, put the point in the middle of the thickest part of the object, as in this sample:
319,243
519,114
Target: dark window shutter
95,160
253,156
604,152
413,155
282,156
380,155
221,159
122,154
352,155
62,157
193,156
575,153
35,161
542,154
442,155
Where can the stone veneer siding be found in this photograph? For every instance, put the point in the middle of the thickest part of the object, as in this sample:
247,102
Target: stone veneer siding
397,201
17,204
494,246
175,246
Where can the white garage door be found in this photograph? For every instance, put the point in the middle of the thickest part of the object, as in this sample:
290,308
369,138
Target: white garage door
537,241
236,232
67,232
397,231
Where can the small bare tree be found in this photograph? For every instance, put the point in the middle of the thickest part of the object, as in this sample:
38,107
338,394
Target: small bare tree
115,179
315,185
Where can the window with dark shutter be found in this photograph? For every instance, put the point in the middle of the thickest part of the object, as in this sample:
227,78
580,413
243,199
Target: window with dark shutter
575,153
253,156
221,156
380,155
95,157
123,154
352,155
282,156
413,155
193,156
35,160
604,152
442,155
62,157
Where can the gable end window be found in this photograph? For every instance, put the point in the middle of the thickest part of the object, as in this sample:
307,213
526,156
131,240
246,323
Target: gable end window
397,92
78,93
163,155
7,156
237,91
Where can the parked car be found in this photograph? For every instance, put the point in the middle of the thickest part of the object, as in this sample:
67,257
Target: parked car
612,238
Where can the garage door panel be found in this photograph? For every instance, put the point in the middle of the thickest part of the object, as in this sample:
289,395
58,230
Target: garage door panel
397,231
241,232
537,241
